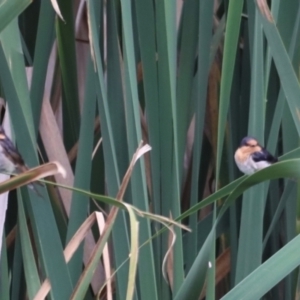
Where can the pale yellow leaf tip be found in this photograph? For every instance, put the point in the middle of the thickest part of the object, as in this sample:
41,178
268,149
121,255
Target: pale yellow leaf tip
142,151
60,169
57,10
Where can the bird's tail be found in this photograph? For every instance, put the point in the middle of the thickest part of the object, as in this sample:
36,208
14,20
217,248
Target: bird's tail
33,186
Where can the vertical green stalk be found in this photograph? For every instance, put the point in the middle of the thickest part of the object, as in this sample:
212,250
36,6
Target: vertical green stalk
147,280
205,37
80,203
67,59
250,241
230,47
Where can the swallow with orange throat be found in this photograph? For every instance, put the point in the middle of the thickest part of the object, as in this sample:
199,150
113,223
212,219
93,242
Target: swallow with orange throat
251,156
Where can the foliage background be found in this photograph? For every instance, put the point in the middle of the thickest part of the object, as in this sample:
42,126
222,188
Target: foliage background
191,78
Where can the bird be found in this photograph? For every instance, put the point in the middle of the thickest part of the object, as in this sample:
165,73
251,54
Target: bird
251,156
11,160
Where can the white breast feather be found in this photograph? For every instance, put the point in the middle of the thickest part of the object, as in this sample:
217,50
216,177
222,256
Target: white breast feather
250,166
6,166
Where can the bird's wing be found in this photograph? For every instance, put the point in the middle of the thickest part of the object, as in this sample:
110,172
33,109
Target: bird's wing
10,150
263,155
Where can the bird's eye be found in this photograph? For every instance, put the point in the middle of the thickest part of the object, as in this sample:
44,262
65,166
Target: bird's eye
251,145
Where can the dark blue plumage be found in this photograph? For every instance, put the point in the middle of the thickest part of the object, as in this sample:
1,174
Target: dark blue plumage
264,155
251,156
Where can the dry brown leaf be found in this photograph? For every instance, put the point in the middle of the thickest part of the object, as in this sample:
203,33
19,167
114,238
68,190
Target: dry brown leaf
170,257
86,226
31,175
70,249
113,213
140,151
57,10
106,259
55,149
264,9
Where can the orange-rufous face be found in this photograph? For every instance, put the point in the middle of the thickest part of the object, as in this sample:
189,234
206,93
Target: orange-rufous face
242,154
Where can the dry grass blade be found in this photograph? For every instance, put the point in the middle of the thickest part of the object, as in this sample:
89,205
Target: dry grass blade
168,262
113,213
72,154
55,149
161,219
71,247
106,260
92,49
140,151
96,147
56,8
47,169
264,8
85,227
134,252
168,259
31,175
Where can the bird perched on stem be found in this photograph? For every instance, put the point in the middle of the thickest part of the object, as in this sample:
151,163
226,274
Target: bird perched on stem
251,156
10,159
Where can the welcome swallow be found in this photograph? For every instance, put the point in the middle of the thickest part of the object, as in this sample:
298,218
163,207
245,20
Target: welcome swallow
251,156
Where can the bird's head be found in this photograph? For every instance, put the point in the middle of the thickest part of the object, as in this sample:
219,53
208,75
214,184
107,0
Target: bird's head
250,145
